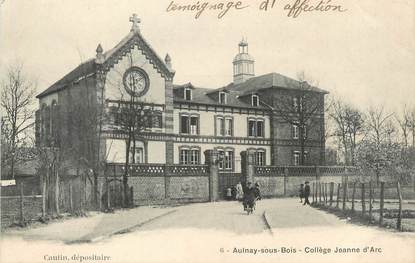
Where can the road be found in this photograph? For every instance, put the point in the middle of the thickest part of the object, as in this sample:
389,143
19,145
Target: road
222,232
222,216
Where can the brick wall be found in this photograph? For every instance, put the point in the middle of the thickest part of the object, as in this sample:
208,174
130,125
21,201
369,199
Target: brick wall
147,189
271,186
165,190
190,188
10,209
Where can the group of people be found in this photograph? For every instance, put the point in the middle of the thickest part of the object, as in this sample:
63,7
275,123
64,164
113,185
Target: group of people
248,194
305,193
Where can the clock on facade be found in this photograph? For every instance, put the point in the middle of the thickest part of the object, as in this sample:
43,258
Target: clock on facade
136,81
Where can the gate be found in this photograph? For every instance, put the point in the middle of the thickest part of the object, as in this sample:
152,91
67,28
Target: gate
228,180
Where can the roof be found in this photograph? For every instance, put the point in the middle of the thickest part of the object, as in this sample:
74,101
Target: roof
188,85
202,96
243,56
237,91
89,67
80,71
270,80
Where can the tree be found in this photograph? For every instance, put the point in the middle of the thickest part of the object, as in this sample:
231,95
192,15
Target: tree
302,108
349,123
410,115
405,124
17,98
132,117
378,150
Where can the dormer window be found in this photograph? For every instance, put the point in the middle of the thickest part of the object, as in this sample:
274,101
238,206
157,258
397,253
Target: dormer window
255,100
222,97
187,94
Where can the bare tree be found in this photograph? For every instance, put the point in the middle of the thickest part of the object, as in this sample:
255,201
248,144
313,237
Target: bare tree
404,125
411,123
133,117
17,98
302,108
340,123
348,123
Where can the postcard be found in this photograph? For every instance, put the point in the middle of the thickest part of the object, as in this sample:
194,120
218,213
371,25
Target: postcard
207,131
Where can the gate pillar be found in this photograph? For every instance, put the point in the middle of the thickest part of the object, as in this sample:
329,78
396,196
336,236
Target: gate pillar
247,166
211,159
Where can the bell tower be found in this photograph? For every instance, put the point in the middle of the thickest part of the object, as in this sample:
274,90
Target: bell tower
243,64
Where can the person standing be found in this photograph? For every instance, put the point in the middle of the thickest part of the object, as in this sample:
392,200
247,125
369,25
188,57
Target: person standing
301,192
306,193
239,191
249,196
257,192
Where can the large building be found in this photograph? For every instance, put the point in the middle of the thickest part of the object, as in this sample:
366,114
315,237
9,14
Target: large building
75,112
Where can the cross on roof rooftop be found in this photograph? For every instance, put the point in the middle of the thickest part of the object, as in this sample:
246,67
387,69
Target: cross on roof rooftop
135,20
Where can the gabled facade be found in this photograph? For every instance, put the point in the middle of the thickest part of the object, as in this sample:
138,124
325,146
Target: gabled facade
74,112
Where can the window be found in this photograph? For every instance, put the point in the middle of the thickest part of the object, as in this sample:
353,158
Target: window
295,104
296,158
226,159
260,128
156,120
260,158
189,124
220,126
194,125
295,131
184,156
184,124
229,126
251,128
224,126
137,155
187,94
256,128
189,155
305,158
255,100
305,132
222,97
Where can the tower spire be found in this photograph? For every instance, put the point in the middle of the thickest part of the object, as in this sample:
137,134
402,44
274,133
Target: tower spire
243,63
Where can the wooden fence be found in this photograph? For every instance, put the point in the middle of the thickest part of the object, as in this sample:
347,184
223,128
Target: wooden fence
359,199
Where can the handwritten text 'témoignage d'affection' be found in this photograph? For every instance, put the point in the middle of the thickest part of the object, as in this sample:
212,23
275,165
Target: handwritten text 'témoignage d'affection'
293,9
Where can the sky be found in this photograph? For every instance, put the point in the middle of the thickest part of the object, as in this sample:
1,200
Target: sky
365,55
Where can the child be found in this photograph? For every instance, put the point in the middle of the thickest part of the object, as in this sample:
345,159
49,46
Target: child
301,192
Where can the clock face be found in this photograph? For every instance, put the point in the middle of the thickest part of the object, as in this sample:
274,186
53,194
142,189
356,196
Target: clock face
136,81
